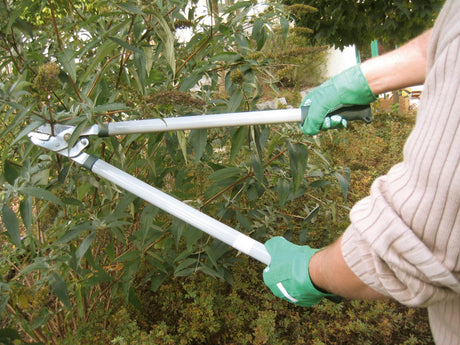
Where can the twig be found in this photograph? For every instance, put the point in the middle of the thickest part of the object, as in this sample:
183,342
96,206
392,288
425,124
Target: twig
55,25
187,60
100,74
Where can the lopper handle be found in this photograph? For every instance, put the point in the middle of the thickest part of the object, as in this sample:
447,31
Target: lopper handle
355,112
348,112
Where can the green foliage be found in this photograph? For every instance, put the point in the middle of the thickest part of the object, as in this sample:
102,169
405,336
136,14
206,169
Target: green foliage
296,64
342,23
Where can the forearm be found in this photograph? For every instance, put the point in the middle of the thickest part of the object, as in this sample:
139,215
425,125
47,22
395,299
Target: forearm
329,271
403,67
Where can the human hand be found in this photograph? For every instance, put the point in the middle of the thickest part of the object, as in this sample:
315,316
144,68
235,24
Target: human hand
347,88
287,275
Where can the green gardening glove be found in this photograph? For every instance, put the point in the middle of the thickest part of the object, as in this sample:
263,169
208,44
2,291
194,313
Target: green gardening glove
347,88
287,275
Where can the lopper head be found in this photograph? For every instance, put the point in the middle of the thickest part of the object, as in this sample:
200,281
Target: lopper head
57,138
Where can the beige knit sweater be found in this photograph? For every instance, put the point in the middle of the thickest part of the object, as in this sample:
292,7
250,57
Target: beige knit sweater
404,239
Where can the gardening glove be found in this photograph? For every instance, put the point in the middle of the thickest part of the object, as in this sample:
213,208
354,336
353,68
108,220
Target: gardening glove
347,88
287,275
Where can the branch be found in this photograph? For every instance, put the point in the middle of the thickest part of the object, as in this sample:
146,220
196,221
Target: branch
55,25
194,53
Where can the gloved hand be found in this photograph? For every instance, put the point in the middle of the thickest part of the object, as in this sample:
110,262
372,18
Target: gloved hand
287,275
347,88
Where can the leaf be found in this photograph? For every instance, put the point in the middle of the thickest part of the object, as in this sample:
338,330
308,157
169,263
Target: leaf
198,138
129,256
311,215
258,33
101,109
238,5
185,273
282,190
209,271
41,193
167,37
23,26
84,246
67,60
25,209
26,130
258,167
38,265
103,51
8,335
298,156
12,225
184,264
126,45
157,280
140,61
134,300
130,8
229,57
182,143
59,287
225,173
177,228
191,81
244,221
191,236
284,23
235,101
238,138
11,171
74,232
344,182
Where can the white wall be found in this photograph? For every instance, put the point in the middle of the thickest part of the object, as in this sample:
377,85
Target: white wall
339,61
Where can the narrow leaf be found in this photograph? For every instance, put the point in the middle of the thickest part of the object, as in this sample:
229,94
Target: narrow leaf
84,246
11,171
103,108
282,190
67,60
298,155
238,139
130,8
59,287
284,26
41,194
25,209
344,183
126,45
225,173
167,37
11,224
184,273
182,143
257,167
198,138
238,5
74,232
186,263
235,101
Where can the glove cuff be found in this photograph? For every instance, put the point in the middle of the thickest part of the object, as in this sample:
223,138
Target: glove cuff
354,87
288,275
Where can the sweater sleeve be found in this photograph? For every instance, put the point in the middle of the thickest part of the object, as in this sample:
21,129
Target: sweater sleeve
404,238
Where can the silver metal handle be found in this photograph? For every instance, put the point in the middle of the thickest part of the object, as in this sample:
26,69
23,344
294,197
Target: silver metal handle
171,205
205,121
